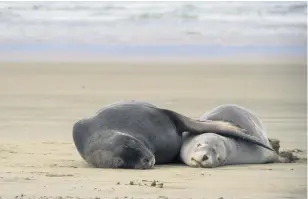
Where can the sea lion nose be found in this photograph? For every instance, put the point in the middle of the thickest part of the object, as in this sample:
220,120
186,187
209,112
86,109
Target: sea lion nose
205,158
148,162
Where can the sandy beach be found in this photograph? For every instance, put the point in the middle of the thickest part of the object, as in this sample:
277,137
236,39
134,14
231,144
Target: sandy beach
40,102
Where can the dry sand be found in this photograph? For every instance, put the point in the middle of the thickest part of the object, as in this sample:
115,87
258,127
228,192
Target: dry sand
39,103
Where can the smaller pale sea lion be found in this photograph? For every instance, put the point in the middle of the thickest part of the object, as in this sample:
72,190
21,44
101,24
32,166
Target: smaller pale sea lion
210,150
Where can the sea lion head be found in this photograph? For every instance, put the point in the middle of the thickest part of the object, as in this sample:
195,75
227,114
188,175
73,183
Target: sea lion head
207,150
119,150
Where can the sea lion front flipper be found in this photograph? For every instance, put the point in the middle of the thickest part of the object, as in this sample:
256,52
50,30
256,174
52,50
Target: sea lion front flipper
227,129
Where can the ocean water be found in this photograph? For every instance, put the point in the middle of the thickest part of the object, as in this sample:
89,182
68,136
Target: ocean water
154,28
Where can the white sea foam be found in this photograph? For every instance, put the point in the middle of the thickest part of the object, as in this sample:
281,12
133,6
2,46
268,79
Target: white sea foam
154,22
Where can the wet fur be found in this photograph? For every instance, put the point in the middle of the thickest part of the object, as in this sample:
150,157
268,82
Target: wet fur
103,140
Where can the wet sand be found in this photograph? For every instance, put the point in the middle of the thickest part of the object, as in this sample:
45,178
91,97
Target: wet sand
39,103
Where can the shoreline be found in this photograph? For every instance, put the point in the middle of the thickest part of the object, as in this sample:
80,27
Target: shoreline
53,52
82,58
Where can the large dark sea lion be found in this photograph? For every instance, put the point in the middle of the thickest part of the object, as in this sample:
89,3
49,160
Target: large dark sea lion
137,135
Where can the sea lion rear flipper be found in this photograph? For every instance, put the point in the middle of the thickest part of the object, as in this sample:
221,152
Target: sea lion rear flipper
227,129
275,144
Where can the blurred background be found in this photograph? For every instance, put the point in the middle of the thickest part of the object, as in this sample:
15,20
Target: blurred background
164,29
